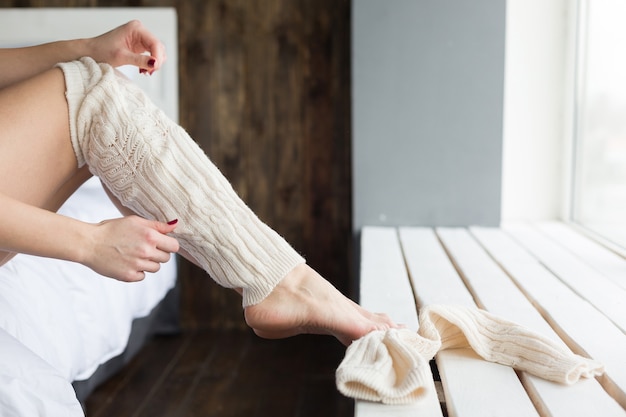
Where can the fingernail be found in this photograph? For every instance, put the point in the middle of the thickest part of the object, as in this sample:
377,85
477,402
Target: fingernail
142,71
151,63
172,222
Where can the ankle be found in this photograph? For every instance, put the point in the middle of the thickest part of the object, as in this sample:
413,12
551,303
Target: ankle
296,278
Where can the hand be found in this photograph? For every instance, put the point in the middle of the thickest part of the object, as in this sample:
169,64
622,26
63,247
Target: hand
128,247
127,45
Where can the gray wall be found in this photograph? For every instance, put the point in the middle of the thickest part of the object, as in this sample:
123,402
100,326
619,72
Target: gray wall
428,82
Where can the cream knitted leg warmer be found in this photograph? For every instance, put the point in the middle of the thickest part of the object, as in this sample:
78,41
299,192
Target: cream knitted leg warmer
392,366
154,168
498,340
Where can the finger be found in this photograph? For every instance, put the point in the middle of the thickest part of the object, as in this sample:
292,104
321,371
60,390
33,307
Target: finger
164,242
165,228
145,63
158,54
160,256
155,49
134,276
150,266
168,244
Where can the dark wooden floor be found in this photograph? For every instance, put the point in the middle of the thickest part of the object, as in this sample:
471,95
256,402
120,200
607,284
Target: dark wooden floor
226,373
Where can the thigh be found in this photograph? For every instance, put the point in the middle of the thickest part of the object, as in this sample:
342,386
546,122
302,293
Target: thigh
37,162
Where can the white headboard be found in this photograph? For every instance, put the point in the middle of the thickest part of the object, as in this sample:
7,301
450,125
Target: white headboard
28,26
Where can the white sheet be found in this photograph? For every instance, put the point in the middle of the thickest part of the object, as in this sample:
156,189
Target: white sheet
65,313
31,387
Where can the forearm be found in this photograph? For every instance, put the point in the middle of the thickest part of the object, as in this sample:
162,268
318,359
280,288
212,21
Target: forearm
17,64
129,44
34,231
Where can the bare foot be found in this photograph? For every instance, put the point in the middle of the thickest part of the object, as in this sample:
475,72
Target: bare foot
304,302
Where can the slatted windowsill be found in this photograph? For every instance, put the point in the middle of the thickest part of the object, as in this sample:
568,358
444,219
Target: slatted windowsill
548,277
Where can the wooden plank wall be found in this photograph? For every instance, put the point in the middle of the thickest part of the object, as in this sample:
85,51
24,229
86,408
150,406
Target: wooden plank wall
265,90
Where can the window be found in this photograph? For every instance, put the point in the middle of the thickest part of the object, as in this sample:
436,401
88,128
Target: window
599,166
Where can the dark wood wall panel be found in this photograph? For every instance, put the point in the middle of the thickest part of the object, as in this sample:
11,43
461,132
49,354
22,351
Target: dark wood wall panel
265,90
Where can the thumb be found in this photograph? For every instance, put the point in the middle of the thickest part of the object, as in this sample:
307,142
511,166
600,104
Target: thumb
128,56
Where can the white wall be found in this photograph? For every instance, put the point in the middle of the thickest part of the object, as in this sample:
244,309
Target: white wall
537,75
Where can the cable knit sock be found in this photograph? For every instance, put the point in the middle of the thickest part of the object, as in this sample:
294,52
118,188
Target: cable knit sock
392,366
498,340
388,366
154,168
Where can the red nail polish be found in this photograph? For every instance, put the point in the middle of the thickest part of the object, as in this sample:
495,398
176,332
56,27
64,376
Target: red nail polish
172,222
151,63
142,71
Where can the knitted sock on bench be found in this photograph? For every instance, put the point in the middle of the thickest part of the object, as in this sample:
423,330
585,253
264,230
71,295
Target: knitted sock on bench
498,340
392,366
154,168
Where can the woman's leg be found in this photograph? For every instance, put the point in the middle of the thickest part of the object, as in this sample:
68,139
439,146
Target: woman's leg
37,154
302,302
37,163
154,168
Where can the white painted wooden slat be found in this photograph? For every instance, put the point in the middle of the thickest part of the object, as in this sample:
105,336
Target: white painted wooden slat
584,328
473,387
434,278
600,291
478,388
384,281
498,294
592,253
369,409
385,287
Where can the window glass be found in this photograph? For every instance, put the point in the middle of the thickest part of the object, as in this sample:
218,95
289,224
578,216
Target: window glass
599,192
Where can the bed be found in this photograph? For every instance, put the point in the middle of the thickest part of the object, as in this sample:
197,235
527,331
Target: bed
60,322
63,328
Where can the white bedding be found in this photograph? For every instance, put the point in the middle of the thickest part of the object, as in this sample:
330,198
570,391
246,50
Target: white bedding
29,386
67,319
